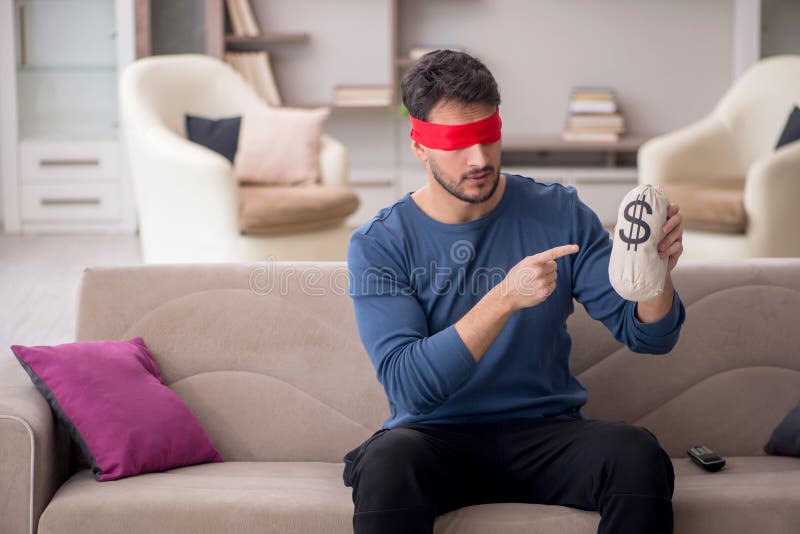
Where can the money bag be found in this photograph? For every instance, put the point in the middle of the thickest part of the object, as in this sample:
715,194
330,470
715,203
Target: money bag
635,270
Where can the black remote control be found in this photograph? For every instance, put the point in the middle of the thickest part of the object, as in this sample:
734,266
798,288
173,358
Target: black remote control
706,458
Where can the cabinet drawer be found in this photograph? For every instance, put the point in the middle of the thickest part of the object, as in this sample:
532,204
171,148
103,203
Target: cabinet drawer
59,162
70,203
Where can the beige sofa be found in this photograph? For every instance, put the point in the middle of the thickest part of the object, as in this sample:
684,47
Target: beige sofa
268,357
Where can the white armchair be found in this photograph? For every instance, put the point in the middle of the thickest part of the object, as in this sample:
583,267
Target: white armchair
737,140
186,195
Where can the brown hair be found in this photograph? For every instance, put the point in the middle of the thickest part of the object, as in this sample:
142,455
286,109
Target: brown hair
449,75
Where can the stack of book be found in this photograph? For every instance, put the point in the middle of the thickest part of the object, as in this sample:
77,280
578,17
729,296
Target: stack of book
593,115
243,22
362,95
255,68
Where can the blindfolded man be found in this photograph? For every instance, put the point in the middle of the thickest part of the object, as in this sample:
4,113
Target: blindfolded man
461,292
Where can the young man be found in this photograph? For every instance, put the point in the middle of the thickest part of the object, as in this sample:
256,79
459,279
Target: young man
461,292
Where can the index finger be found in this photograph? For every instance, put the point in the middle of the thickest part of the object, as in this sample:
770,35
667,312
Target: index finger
556,252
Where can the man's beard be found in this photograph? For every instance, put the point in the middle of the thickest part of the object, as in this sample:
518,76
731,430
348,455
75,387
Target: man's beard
455,188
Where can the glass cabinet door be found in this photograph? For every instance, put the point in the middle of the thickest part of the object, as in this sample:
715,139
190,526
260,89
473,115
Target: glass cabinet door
66,57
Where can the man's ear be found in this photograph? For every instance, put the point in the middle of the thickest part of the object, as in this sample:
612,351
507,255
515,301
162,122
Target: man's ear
419,151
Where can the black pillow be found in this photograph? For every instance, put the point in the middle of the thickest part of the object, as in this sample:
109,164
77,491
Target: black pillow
220,135
785,440
791,132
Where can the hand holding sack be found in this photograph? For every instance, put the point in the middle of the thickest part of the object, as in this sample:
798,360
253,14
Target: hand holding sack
635,270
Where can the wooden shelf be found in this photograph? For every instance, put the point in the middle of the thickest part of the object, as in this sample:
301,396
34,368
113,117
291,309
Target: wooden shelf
554,143
234,42
521,144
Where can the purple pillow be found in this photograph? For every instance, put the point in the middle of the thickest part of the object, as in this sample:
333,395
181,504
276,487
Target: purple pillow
111,397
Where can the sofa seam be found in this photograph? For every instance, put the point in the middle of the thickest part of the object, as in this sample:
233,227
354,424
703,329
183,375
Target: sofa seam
277,379
29,429
636,420
621,347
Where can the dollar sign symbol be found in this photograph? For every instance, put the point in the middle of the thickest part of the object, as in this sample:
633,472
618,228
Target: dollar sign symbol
636,222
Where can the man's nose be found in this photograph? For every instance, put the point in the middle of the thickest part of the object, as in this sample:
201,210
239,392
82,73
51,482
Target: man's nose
477,156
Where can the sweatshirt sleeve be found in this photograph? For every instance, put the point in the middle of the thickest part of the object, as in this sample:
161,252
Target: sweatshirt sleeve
418,369
592,288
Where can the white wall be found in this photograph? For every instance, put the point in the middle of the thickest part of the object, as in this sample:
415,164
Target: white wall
349,44
668,61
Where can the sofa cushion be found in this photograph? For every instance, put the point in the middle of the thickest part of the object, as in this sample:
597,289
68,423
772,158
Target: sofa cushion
791,131
111,397
274,210
710,206
310,497
219,135
279,145
785,439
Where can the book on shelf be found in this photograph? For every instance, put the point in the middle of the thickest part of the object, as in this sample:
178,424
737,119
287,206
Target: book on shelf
592,100
592,106
256,69
595,120
594,129
235,17
362,95
243,21
590,136
592,93
593,115
248,18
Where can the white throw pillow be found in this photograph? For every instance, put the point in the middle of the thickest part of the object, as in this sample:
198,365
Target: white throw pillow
279,145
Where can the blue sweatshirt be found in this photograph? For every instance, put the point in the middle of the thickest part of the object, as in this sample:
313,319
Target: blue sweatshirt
412,278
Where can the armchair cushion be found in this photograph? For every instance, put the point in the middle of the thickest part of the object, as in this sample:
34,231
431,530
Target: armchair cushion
710,205
280,145
273,210
111,398
791,132
220,135
785,439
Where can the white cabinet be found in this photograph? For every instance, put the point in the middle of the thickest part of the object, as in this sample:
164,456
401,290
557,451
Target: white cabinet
61,156
600,188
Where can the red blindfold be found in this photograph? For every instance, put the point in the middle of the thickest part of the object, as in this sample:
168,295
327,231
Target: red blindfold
456,136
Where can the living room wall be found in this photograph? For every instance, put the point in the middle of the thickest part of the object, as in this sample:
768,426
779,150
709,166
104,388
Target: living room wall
669,61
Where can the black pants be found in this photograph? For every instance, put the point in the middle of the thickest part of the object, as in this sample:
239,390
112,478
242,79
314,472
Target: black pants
403,477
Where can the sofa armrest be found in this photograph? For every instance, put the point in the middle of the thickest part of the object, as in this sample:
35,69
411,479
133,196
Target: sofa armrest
701,151
333,162
771,193
34,451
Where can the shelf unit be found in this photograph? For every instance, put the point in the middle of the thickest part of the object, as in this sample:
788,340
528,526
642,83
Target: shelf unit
381,173
544,144
248,42
63,167
216,46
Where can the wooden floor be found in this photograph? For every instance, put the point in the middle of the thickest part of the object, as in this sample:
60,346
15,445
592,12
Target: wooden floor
39,278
